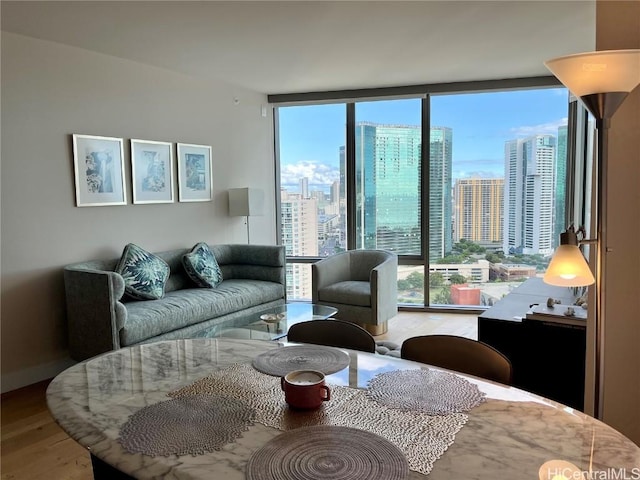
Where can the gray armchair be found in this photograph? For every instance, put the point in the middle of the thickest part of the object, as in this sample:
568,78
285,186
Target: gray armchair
361,284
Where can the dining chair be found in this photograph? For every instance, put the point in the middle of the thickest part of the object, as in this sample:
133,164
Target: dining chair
460,354
334,333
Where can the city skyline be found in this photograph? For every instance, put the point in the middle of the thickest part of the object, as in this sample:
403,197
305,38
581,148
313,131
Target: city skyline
482,123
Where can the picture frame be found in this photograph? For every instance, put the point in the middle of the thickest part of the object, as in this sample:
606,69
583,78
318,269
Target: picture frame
194,173
152,171
98,164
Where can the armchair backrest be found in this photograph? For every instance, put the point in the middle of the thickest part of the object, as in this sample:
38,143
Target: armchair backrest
361,262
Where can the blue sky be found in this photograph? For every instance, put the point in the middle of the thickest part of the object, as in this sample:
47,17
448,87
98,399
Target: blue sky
310,136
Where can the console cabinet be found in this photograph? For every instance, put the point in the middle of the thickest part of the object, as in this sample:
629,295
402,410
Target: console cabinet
548,358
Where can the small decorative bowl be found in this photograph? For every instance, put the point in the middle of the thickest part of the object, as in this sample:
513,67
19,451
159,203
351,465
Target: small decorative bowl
272,317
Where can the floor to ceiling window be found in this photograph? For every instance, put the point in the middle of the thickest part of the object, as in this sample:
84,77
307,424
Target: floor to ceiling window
502,185
388,140
388,191
312,189
487,215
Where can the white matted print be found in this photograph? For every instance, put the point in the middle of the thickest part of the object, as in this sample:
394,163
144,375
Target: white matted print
194,173
152,171
98,164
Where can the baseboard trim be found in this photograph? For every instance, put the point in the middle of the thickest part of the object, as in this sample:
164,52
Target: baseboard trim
28,376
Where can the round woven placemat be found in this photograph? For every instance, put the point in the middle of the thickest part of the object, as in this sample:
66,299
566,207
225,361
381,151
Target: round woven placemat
327,452
427,391
280,361
190,425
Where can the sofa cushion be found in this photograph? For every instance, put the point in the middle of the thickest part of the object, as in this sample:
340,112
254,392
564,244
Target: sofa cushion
350,293
202,267
144,273
185,307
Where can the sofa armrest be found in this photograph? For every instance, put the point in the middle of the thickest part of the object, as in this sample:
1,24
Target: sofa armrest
95,314
384,289
328,271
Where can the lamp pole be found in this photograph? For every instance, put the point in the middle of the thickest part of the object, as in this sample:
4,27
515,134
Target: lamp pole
602,129
602,106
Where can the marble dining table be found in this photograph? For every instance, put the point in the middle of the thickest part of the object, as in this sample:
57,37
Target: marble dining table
509,434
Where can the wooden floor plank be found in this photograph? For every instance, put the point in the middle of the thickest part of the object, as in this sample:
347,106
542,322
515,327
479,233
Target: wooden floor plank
32,445
410,324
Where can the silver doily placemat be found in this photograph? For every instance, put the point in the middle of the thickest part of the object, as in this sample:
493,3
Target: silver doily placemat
422,438
280,361
328,453
428,391
189,425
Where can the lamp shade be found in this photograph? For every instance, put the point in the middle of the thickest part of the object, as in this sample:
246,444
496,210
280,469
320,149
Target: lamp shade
568,268
245,202
604,71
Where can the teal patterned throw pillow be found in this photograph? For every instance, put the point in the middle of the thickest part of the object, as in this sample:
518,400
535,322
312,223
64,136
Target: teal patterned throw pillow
202,267
144,273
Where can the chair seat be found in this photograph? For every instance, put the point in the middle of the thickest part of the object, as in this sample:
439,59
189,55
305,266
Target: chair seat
350,292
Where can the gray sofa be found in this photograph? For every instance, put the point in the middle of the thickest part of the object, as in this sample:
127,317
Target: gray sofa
101,318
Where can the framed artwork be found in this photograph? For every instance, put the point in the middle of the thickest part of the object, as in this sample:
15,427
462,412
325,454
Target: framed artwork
152,171
194,173
98,164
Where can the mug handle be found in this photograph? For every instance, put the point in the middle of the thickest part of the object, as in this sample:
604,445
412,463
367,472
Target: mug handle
282,383
326,389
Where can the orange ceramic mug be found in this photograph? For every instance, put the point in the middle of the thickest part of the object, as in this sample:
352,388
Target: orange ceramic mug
305,389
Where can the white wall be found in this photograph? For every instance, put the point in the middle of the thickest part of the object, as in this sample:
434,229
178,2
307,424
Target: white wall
618,27
50,91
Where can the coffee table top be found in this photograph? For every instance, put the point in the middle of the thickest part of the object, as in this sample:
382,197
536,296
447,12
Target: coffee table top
274,323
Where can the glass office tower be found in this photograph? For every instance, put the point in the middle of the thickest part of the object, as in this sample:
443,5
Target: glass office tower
388,188
440,194
561,185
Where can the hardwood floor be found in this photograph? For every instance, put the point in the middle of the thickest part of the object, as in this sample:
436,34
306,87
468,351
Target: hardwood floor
410,324
34,447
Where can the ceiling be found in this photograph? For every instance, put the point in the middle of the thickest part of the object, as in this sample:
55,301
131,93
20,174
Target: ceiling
302,46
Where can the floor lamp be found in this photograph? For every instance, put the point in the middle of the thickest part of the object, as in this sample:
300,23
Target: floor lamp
246,202
602,80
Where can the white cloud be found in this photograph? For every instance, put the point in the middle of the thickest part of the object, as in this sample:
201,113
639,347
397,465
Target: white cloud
542,129
478,168
317,173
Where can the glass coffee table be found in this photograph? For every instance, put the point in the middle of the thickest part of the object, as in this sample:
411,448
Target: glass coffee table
274,323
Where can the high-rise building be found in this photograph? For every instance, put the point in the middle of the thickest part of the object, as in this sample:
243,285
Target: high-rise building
342,207
304,187
561,186
529,195
440,195
388,189
479,205
334,196
300,236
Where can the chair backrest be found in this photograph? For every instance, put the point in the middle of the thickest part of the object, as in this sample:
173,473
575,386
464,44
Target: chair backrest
363,261
459,354
334,333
